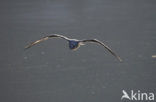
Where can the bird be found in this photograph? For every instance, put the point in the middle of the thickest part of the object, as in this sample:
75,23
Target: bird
74,44
125,95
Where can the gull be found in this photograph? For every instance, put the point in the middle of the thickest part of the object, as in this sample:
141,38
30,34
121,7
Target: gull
74,44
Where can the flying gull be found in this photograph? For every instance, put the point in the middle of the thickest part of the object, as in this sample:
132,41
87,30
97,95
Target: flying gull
74,43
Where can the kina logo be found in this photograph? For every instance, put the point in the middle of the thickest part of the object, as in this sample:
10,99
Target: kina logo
137,95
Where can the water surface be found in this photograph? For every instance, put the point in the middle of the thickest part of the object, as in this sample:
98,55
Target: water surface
50,72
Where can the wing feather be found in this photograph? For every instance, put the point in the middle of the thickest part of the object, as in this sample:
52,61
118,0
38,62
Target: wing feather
101,43
46,38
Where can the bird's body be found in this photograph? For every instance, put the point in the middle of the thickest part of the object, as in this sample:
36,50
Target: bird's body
74,43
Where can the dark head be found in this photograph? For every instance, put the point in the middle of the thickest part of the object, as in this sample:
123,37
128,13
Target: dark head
73,44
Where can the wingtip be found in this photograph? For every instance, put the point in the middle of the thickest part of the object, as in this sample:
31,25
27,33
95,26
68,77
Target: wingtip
26,47
120,59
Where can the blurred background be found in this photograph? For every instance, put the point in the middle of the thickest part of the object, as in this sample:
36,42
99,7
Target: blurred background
50,72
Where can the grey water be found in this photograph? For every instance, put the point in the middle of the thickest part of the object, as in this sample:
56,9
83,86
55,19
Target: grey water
50,72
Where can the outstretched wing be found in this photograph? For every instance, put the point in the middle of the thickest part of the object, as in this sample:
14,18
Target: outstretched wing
46,38
101,43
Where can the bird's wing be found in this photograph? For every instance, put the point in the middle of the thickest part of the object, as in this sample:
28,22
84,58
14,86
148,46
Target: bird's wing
46,38
101,43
